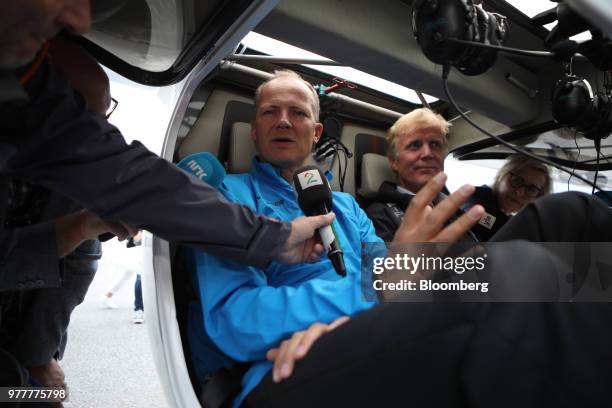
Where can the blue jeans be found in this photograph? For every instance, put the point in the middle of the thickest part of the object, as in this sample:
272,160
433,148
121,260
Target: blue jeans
138,294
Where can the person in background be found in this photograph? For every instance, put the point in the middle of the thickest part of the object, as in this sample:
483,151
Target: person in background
130,265
417,145
520,181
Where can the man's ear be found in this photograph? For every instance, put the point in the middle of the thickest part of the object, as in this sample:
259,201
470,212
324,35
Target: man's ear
253,131
318,132
393,163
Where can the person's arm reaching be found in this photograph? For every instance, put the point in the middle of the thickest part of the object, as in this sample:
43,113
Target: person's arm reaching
79,154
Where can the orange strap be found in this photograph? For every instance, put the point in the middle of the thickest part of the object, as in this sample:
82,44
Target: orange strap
35,65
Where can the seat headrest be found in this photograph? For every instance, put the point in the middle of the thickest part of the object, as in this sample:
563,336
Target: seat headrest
375,169
241,148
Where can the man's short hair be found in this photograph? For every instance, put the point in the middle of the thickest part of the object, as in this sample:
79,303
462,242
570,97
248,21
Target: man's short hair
416,119
286,73
517,162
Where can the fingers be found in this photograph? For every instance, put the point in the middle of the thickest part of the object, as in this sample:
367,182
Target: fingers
114,228
445,209
460,226
303,228
315,331
424,197
422,223
338,322
314,255
272,354
294,349
301,243
317,221
283,364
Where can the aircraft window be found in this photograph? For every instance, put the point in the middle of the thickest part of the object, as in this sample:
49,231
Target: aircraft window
149,35
270,46
532,8
479,172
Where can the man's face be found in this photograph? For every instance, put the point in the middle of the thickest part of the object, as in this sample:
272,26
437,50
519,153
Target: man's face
284,129
25,25
520,187
420,156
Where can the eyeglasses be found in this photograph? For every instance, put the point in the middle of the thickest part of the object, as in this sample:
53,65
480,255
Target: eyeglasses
112,107
517,182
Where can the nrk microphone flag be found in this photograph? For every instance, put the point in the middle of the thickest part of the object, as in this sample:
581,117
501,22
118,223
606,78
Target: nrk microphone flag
205,166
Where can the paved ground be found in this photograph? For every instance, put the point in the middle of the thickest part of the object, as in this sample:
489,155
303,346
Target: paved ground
108,360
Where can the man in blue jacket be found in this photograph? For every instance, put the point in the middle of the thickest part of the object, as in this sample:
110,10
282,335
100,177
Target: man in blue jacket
247,311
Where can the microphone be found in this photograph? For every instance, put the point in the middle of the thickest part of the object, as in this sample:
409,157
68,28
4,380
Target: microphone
203,165
315,198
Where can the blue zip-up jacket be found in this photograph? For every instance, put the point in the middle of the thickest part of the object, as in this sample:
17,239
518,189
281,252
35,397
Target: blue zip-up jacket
247,311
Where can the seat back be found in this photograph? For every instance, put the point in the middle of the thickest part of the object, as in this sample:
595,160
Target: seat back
241,148
375,169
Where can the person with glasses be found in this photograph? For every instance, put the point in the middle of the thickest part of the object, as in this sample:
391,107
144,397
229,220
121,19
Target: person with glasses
520,181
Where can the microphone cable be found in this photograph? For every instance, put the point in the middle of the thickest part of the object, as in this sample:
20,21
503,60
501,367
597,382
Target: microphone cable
575,162
334,147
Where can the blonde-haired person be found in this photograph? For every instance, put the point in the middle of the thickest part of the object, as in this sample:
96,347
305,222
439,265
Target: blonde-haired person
518,182
416,148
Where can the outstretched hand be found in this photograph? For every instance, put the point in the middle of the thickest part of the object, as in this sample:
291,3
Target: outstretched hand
302,244
72,229
422,223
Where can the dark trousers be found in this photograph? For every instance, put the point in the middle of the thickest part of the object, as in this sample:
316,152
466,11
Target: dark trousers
138,305
469,354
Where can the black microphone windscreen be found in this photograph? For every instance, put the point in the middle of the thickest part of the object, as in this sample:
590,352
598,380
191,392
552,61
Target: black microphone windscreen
313,191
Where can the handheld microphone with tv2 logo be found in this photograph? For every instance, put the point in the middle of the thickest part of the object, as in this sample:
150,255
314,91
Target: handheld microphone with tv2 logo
315,198
203,165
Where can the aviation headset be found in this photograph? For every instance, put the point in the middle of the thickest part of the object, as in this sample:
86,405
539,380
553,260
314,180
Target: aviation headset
575,106
433,21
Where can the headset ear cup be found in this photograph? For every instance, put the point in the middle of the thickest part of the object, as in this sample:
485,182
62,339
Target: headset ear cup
597,122
572,101
475,61
433,21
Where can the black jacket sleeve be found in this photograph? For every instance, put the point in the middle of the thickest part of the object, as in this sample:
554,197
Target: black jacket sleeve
61,146
384,220
28,258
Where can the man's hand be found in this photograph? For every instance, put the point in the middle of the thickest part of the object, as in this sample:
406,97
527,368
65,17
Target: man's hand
422,223
302,245
297,347
72,229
